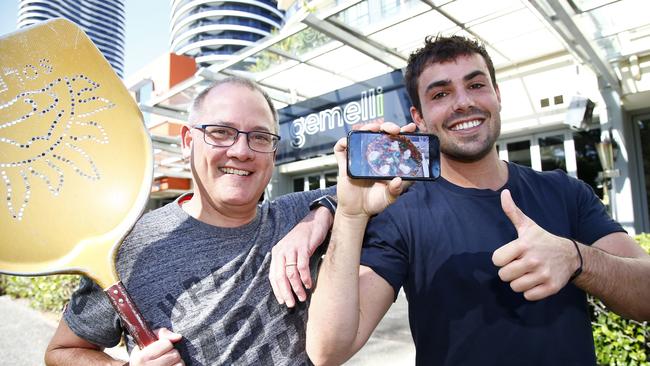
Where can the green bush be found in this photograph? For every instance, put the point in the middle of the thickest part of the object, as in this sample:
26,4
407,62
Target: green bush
620,341
48,293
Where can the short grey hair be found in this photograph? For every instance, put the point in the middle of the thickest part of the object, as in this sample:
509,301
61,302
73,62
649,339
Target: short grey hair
197,103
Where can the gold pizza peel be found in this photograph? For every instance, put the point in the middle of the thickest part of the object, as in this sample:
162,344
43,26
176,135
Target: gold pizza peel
76,161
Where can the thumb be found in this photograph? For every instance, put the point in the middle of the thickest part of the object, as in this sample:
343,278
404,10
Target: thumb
340,152
511,210
394,188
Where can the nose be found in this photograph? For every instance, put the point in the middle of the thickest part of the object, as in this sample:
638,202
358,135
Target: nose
240,150
463,100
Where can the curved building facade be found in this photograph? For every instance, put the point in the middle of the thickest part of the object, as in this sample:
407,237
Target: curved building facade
211,31
102,20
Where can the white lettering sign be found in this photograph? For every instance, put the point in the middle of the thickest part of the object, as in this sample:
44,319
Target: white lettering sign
370,106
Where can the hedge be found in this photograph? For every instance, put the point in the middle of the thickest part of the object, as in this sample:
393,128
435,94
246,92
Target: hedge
47,293
618,341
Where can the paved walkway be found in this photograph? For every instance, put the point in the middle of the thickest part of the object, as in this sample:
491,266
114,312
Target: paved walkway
391,342
24,334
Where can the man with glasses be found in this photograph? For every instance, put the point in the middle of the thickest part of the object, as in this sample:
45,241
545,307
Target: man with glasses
197,268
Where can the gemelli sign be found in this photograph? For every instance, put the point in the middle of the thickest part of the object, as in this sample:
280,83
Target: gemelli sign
369,107
312,127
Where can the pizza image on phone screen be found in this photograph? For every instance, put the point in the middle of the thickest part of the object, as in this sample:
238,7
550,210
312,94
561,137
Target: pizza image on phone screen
394,155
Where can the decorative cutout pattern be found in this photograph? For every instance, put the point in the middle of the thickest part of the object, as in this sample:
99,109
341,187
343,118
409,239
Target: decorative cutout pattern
44,130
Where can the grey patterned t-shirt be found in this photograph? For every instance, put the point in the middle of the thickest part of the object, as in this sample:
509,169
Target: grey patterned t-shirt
209,284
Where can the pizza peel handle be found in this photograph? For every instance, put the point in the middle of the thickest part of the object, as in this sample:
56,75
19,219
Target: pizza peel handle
76,161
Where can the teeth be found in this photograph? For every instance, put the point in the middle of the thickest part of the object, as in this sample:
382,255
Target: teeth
465,125
234,171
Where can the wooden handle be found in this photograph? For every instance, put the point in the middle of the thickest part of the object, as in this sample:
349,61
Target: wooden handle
131,318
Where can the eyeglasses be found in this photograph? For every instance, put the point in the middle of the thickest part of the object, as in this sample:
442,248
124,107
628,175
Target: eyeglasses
225,136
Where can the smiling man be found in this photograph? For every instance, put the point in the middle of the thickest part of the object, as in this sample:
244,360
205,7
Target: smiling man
198,267
495,259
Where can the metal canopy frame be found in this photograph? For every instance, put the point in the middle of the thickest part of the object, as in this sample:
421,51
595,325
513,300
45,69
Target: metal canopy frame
561,20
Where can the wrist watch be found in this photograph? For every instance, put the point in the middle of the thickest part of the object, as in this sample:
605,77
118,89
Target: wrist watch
328,202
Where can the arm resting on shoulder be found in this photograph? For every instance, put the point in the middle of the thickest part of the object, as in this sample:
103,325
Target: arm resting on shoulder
340,320
617,271
67,348
295,249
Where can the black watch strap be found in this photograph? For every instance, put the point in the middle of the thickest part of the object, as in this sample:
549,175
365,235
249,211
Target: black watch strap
326,201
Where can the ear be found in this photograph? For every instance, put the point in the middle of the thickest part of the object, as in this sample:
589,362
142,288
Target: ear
417,118
186,141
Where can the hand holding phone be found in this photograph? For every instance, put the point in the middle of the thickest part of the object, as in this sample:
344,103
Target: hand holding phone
376,155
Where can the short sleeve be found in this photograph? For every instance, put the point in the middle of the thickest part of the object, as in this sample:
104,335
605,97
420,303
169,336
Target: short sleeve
594,222
385,251
90,315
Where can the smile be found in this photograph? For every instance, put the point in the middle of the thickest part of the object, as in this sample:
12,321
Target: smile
234,171
465,125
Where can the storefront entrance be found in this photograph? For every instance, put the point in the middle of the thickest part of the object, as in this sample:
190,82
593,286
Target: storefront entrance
314,181
571,151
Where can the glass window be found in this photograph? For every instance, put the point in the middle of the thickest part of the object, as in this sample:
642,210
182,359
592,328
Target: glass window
587,162
314,182
299,184
519,152
644,134
330,179
551,150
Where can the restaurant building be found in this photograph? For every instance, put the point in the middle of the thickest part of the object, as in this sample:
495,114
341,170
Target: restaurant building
574,83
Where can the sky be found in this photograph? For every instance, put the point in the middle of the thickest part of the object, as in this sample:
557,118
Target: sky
147,30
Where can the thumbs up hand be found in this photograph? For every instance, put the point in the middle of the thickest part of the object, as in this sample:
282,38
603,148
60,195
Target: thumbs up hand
537,263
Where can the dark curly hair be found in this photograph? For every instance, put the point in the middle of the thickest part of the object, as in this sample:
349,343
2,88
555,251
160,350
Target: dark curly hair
439,49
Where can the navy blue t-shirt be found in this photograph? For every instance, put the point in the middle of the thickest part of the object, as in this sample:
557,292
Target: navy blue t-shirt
437,242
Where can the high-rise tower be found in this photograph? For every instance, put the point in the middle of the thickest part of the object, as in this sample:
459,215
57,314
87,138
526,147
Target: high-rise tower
211,31
102,20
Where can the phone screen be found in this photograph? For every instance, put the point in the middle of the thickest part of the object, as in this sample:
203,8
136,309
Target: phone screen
376,155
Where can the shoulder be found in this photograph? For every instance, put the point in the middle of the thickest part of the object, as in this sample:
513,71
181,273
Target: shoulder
161,214
157,223
301,199
554,180
415,195
407,207
527,173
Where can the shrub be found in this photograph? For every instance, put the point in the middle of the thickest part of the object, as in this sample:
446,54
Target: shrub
620,341
48,293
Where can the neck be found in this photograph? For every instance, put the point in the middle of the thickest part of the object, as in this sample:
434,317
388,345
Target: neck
487,173
211,214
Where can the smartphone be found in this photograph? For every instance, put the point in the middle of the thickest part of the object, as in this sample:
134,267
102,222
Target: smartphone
377,155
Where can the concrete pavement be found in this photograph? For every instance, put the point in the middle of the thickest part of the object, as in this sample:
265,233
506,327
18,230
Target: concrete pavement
25,332
391,342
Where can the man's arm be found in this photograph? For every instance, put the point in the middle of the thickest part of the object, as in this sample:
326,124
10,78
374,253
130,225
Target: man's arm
617,271
289,270
614,269
340,320
67,349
